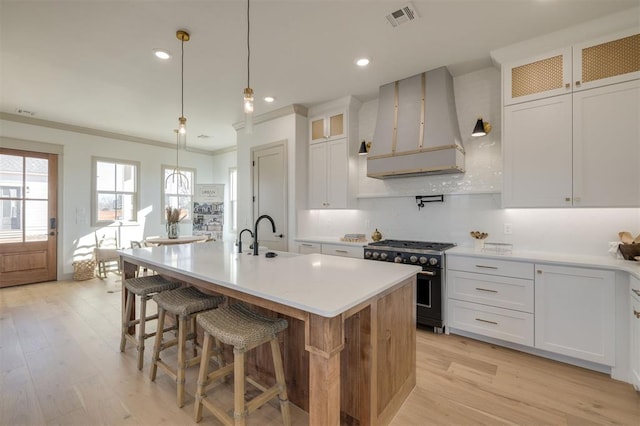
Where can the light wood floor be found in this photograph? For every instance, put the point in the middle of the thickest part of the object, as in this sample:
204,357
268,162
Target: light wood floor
60,364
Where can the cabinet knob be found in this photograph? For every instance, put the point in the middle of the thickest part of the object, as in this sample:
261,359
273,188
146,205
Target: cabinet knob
539,271
578,83
567,85
636,313
567,199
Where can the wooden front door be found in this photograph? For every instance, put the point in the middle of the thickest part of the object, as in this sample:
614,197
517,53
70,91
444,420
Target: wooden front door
28,222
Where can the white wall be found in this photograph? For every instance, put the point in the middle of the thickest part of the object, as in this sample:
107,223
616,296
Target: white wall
473,199
76,235
291,128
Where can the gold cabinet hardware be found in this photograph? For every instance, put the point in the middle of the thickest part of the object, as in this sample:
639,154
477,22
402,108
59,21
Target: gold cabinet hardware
487,321
341,251
567,198
567,85
486,289
636,313
539,271
578,83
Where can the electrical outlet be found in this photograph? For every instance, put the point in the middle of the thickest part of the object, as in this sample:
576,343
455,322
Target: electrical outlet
508,229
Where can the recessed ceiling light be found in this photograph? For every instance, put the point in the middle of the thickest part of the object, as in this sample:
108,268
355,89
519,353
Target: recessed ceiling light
362,62
269,99
161,54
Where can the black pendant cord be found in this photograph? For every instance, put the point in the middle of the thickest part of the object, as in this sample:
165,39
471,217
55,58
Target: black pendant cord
248,46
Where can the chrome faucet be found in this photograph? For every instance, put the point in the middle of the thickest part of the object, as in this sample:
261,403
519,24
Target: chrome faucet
239,242
255,231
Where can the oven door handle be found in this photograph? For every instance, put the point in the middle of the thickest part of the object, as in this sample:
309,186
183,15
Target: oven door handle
429,273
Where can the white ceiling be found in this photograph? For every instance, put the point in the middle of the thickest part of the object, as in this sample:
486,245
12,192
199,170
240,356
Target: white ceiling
89,63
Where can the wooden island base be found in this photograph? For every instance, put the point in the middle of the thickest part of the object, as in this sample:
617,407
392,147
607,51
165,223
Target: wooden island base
355,368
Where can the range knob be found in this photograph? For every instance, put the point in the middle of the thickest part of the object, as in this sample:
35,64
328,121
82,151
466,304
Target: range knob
398,259
367,254
376,255
383,256
423,260
413,259
433,261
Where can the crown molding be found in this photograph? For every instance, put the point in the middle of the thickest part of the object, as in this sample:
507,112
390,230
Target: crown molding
280,112
103,133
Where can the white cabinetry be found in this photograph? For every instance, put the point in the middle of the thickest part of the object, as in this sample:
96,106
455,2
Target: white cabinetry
634,289
574,142
491,297
328,175
308,248
328,126
574,312
343,250
333,153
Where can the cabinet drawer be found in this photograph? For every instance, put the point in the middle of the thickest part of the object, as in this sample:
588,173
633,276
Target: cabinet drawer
341,250
512,326
485,265
502,292
307,248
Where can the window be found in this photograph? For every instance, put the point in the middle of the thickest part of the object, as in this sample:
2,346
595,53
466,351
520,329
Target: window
177,190
115,191
233,198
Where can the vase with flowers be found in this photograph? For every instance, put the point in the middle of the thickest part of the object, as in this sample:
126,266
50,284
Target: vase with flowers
174,216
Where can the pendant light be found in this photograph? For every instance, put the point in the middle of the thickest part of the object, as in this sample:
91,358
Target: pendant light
182,120
481,128
176,176
248,91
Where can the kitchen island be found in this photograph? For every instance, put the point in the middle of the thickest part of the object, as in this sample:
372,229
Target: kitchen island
349,351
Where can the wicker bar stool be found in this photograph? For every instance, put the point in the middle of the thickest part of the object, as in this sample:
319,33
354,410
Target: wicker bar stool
185,303
146,288
244,329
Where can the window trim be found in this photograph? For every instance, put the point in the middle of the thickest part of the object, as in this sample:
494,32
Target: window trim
94,191
163,167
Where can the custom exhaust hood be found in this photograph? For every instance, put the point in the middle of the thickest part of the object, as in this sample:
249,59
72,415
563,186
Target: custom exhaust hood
417,129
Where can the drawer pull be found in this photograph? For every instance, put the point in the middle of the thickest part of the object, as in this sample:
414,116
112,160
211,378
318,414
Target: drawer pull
486,289
341,251
487,321
636,313
428,273
307,245
637,292
486,267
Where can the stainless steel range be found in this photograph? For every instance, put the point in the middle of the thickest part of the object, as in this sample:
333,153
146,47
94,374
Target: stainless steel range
430,280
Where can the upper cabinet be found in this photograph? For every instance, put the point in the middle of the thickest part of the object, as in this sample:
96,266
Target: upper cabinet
539,77
576,143
607,60
328,126
333,152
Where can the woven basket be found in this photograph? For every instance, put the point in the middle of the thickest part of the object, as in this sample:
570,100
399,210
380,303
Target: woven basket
84,269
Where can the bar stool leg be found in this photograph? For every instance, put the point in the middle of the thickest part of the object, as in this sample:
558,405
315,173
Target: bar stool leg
141,330
182,343
279,370
202,375
157,345
195,336
239,411
125,318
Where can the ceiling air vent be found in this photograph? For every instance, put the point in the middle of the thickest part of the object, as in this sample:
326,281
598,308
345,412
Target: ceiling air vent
406,13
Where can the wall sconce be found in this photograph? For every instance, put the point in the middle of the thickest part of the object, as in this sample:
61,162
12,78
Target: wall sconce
482,128
364,148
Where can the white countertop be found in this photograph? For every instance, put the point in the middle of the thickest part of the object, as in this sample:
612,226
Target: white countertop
603,262
321,284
